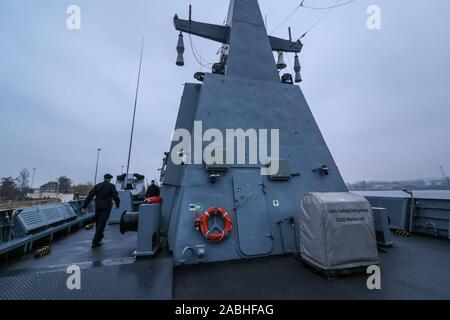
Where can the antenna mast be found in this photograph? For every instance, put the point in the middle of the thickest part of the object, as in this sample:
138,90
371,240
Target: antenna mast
135,104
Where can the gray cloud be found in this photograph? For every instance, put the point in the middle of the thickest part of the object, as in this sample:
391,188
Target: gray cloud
381,98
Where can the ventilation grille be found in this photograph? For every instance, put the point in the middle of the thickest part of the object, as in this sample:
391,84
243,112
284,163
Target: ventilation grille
67,211
31,219
52,214
43,216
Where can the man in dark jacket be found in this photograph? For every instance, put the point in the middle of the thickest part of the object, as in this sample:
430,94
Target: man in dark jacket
104,193
152,190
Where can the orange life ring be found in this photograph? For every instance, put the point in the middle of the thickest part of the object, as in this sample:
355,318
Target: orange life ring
202,223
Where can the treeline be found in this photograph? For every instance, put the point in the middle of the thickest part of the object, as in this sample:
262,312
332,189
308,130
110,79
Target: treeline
16,189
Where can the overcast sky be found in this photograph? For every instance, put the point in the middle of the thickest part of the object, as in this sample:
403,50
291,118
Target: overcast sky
381,98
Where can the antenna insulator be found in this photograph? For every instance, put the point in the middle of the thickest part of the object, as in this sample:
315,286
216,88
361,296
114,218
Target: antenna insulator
180,50
281,64
297,68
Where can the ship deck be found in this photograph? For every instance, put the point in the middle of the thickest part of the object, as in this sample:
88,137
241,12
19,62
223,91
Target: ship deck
414,268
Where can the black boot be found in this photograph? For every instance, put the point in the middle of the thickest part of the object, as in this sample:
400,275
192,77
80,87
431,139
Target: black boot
96,245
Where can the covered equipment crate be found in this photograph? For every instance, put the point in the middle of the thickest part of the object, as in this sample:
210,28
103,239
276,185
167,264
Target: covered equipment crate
337,231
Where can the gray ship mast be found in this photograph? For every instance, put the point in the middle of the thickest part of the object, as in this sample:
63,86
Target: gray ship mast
242,92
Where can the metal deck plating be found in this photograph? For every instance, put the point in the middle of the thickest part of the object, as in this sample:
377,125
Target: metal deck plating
415,268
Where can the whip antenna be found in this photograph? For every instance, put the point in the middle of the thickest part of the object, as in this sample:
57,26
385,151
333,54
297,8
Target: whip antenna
135,104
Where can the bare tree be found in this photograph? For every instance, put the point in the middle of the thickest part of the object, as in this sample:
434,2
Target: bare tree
23,179
64,184
8,189
82,189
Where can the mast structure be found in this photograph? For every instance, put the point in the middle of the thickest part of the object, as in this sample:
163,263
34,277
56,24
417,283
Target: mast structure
247,49
243,91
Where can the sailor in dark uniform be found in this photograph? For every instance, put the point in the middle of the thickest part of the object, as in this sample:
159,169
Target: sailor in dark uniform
104,193
152,190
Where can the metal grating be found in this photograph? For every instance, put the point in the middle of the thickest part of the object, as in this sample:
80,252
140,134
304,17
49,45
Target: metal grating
141,280
43,216
67,211
31,219
52,214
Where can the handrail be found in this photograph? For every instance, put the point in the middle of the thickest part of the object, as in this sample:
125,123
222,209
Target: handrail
25,204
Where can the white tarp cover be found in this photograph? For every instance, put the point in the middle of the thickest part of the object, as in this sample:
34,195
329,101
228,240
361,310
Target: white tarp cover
337,230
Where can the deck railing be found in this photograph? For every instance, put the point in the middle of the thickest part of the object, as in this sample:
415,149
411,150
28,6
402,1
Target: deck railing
26,204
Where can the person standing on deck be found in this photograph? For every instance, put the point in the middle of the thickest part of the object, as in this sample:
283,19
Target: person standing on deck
152,190
104,192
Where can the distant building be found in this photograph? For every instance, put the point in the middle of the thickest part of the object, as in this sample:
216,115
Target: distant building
50,190
431,184
51,186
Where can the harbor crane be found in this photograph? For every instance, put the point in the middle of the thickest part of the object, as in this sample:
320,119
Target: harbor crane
446,178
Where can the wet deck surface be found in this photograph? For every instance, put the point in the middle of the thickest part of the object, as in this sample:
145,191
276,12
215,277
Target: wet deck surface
415,268
76,248
108,272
